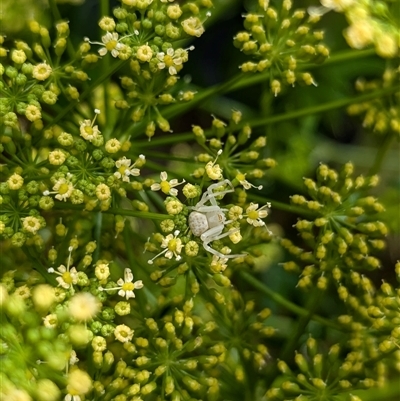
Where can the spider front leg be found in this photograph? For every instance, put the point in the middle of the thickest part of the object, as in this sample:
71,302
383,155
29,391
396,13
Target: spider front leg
214,234
210,195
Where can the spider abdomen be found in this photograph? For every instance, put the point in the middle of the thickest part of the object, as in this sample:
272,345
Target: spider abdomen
198,223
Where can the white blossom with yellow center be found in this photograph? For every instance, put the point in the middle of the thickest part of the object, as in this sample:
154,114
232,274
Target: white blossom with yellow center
193,26
144,53
126,286
255,214
167,186
41,71
50,321
173,247
111,44
172,59
88,130
31,224
125,169
102,271
62,188
123,333
68,277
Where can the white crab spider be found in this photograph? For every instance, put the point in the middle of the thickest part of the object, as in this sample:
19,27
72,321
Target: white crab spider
208,222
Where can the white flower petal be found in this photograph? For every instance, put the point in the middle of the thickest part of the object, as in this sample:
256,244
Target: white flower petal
128,275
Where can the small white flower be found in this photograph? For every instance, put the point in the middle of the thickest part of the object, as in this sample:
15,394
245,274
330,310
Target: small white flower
254,215
246,185
50,321
123,333
126,286
214,171
173,247
167,186
111,44
68,277
125,169
172,59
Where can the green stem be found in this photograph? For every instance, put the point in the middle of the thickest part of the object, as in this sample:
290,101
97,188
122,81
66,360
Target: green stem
242,80
280,205
279,299
179,109
50,278
168,139
380,155
135,213
302,323
347,55
336,104
104,10
97,234
122,212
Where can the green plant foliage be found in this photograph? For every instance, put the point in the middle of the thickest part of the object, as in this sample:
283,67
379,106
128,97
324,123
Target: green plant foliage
199,200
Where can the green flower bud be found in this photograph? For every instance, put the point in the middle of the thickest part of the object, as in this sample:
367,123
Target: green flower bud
172,31
11,72
15,305
18,239
21,79
290,387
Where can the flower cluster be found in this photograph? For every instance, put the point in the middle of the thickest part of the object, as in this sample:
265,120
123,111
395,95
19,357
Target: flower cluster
381,115
281,40
83,169
341,230
323,375
202,225
33,79
144,34
138,270
373,319
370,23
58,321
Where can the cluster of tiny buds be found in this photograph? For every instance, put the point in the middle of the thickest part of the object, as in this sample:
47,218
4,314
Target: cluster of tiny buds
381,114
369,24
144,33
311,370
339,233
303,46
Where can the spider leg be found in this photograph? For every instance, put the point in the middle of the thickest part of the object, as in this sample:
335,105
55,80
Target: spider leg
210,195
207,209
211,235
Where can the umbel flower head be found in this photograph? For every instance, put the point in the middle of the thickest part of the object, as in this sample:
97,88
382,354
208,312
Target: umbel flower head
322,376
279,41
368,25
382,114
344,229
